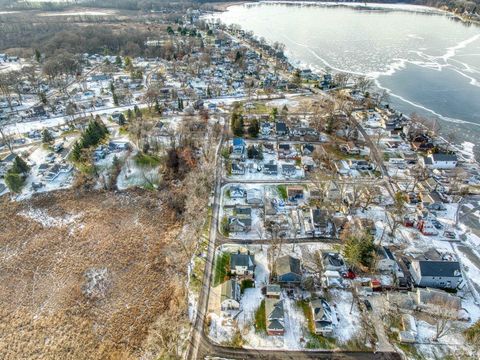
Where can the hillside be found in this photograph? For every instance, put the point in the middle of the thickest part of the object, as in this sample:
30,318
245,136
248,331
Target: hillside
83,276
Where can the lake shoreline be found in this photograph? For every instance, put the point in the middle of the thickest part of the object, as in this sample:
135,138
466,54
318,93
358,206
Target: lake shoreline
224,6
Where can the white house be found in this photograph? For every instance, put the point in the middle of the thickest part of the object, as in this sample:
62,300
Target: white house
441,161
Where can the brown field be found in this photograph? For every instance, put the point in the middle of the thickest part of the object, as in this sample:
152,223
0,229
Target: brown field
52,307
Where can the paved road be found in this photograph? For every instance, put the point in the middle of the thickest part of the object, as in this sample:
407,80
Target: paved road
202,308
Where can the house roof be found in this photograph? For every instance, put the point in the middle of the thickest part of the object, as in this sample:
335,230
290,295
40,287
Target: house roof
229,290
436,297
281,126
333,259
274,309
247,260
444,157
321,310
238,142
439,268
273,288
288,264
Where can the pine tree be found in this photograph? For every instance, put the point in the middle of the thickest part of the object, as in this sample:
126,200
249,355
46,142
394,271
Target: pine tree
47,136
76,151
254,128
20,166
14,182
138,113
130,115
115,99
121,120
38,55
158,108
118,61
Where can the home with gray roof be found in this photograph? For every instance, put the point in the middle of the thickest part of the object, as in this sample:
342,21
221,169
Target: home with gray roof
275,316
242,265
333,261
436,274
289,270
322,316
441,161
230,295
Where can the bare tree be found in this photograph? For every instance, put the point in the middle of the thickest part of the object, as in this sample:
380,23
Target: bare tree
7,139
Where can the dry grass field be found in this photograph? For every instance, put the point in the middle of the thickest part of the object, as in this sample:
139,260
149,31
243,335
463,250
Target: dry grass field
90,275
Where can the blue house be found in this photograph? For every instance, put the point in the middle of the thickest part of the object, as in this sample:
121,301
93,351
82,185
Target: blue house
288,270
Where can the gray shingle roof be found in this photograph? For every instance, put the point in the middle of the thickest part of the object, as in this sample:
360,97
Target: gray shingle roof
242,260
287,264
440,268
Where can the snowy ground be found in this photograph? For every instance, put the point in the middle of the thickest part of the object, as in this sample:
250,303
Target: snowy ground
133,175
222,328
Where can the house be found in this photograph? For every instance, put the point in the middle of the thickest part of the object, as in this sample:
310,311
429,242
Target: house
295,193
436,274
322,316
362,165
238,145
441,161
281,128
118,145
230,295
270,168
321,222
288,170
242,264
274,315
254,197
288,270
273,291
438,301
238,148
238,168
239,224
39,111
308,149
237,192
333,261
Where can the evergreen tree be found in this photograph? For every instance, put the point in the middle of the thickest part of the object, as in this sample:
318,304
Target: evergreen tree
254,128
128,64
115,99
129,115
20,166
121,120
237,124
14,182
118,61
38,55
238,56
138,113
158,108
359,251
76,151
47,136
